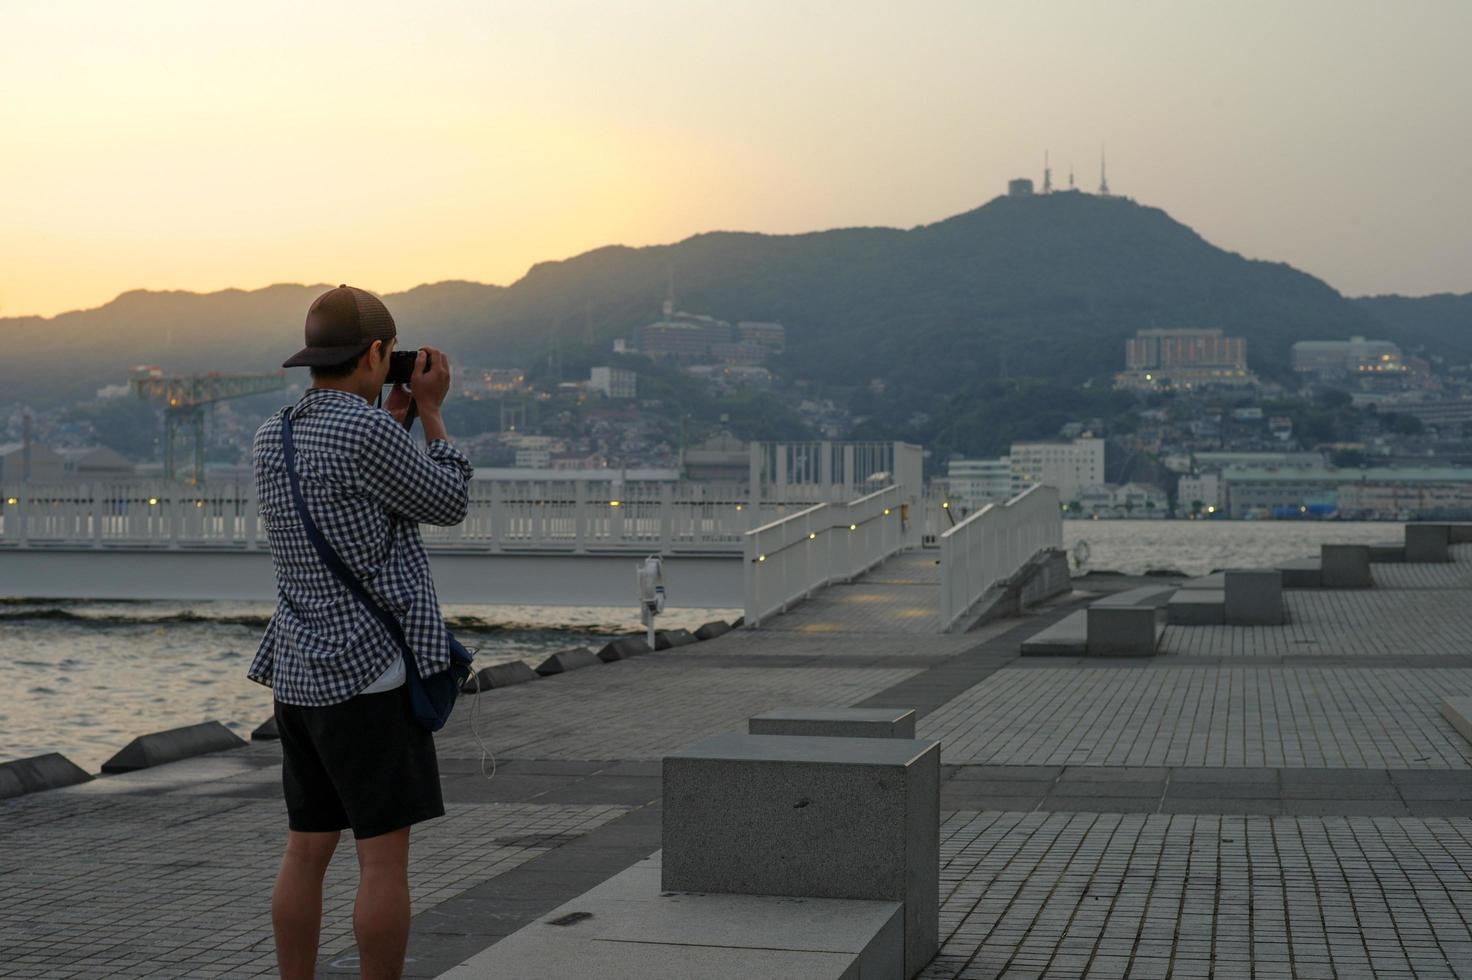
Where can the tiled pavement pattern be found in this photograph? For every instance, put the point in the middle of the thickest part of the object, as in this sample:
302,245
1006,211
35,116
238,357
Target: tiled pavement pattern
1124,895
1338,717
124,885
1342,623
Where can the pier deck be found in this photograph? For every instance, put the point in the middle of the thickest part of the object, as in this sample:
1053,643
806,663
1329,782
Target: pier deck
1256,801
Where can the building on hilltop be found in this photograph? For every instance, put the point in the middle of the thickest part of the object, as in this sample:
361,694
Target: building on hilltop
1020,187
1068,466
772,336
1353,356
1184,358
613,382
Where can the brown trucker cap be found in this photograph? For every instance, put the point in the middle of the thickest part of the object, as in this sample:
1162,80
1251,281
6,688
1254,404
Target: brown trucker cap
341,324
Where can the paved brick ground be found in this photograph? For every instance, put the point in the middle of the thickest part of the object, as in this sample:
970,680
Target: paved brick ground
1113,895
1220,716
900,596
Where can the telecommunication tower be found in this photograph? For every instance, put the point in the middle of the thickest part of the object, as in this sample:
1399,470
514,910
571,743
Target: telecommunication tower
1103,175
1047,175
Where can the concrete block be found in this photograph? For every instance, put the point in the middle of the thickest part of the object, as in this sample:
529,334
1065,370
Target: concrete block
713,629
1428,543
157,748
628,929
1302,573
855,818
564,660
1196,607
1216,580
266,731
1121,631
1345,566
667,639
1254,597
1069,637
623,649
1459,533
499,675
836,722
1458,711
39,772
738,622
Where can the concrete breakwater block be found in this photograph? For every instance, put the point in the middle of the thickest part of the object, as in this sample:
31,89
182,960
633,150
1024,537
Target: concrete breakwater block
40,772
668,639
564,660
1458,711
1345,566
628,928
1302,573
713,629
816,817
1254,597
1196,607
499,675
1069,637
1122,631
1148,595
623,649
266,731
836,722
157,748
1428,543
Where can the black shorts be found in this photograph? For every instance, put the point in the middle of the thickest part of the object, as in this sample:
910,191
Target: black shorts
363,764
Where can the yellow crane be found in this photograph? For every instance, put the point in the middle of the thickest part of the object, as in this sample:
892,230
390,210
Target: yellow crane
187,396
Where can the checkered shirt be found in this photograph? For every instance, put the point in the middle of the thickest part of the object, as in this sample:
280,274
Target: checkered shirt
368,487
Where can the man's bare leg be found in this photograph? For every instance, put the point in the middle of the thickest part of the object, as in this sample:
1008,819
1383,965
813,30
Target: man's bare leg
381,914
296,904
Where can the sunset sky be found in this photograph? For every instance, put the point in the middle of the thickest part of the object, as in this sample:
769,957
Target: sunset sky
192,145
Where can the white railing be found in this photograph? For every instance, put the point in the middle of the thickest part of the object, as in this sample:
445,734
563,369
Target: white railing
569,516
991,544
789,559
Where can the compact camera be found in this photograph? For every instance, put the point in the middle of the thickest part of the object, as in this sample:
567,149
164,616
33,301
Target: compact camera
401,366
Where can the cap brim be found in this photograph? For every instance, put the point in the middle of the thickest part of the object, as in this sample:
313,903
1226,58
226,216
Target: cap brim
324,356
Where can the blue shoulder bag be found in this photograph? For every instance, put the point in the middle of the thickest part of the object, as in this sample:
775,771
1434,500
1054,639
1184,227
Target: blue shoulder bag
432,698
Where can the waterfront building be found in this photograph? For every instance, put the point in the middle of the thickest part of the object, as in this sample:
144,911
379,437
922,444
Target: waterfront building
977,482
44,464
1204,489
536,459
1353,356
1109,500
1267,493
613,382
95,461
1068,466
720,459
1405,501
1184,358
1209,462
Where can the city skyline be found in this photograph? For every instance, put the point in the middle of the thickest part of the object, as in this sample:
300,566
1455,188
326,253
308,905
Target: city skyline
173,148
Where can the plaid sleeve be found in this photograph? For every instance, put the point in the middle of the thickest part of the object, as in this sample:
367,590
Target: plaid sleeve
428,486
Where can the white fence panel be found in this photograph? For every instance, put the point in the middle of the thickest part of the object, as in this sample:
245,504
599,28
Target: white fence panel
991,544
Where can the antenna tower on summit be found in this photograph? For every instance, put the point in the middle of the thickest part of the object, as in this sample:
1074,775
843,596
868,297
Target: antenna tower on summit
1070,177
1047,175
1103,174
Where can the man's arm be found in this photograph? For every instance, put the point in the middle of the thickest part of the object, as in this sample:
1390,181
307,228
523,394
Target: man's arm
430,487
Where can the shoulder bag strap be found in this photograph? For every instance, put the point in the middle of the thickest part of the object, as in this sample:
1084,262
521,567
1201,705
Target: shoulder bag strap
325,551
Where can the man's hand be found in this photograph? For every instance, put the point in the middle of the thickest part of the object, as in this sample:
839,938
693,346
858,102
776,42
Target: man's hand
432,386
397,403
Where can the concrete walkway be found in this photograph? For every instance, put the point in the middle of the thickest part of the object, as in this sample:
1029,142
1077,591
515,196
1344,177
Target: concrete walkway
1254,803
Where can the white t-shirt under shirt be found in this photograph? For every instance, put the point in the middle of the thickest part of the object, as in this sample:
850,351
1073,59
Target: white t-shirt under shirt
388,680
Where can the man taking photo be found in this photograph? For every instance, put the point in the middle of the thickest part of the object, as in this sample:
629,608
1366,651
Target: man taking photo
352,756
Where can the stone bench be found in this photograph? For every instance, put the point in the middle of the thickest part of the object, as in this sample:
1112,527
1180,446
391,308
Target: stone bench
850,818
1302,573
1069,637
630,928
1196,607
1148,595
1428,542
1344,566
1216,580
1254,597
1458,711
1389,553
836,722
1122,631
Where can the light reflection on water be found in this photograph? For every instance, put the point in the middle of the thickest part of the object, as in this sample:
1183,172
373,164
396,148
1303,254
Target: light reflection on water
84,678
